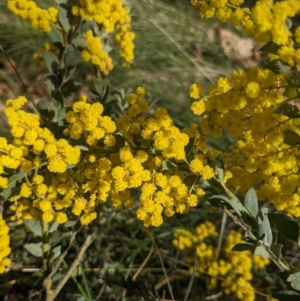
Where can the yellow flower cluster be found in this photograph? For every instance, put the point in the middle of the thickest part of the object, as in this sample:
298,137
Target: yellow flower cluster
94,52
30,137
165,136
266,21
113,15
235,268
102,173
244,104
37,17
165,192
86,120
4,246
32,148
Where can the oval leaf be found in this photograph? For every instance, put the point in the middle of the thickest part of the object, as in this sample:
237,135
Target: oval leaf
251,202
12,181
295,281
291,92
264,231
270,47
286,295
287,226
243,247
278,67
261,251
51,83
191,180
53,227
52,62
168,165
64,16
34,249
289,110
72,58
70,87
56,237
293,79
55,253
56,38
218,200
291,138
34,226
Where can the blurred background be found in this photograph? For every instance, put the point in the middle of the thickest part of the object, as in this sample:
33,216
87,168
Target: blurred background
174,48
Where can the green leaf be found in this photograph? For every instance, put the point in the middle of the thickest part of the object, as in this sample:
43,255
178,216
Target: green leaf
64,17
61,117
34,249
218,200
59,98
291,92
261,215
53,227
189,146
221,175
70,223
295,281
51,83
278,67
88,25
101,86
243,247
261,251
56,37
168,165
251,202
291,138
270,47
57,276
1,48
52,62
120,139
288,23
12,181
287,226
34,226
189,181
288,110
83,147
47,110
286,295
71,59
56,237
70,87
54,253
293,79
107,48
264,230
277,250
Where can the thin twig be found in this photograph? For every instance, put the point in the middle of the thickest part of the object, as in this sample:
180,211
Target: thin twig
215,296
143,264
181,49
61,257
192,277
75,263
222,230
101,292
161,262
214,276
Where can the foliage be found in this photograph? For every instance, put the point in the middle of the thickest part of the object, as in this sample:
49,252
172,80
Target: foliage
65,166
